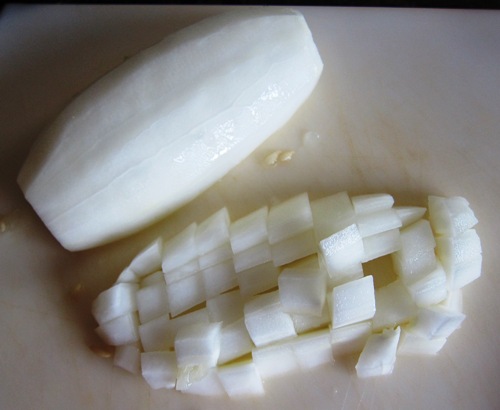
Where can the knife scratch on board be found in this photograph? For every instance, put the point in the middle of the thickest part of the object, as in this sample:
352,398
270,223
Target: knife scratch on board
346,394
361,399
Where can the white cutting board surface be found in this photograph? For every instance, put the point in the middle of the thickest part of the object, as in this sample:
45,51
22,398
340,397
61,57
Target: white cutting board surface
409,104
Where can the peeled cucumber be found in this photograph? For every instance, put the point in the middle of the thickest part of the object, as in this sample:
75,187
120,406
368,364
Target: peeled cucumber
169,122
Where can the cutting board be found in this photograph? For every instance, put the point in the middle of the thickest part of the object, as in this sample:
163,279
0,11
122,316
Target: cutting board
408,104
